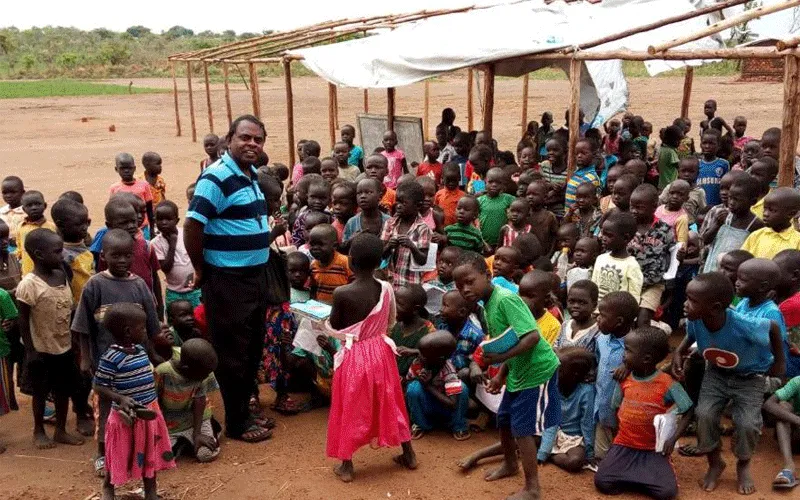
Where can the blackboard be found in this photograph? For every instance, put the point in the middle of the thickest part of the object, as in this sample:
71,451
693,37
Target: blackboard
408,129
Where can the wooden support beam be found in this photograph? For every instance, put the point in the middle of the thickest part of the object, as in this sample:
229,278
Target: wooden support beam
332,113
670,55
175,95
287,75
227,93
336,107
789,43
790,129
488,98
574,113
687,91
254,94
470,98
390,107
208,99
366,100
426,109
525,83
191,100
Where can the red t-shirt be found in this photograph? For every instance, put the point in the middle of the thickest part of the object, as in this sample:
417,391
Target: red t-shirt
145,261
432,170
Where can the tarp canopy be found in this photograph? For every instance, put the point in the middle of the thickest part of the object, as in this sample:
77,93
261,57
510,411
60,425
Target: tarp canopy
502,34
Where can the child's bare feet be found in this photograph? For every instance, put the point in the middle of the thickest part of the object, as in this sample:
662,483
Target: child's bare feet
108,492
745,479
150,489
64,437
711,479
42,441
408,458
467,463
344,471
504,470
85,427
525,495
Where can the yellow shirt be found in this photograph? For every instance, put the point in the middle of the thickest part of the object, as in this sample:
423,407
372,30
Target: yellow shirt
758,208
24,229
81,261
766,243
549,327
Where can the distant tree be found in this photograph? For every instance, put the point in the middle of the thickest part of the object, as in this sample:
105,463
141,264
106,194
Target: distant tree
138,31
7,44
103,33
115,53
246,35
267,32
229,34
68,60
207,34
178,32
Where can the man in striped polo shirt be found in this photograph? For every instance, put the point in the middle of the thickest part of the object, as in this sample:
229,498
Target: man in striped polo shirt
227,238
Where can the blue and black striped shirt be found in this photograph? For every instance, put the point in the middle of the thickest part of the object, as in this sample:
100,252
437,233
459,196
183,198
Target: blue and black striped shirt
234,212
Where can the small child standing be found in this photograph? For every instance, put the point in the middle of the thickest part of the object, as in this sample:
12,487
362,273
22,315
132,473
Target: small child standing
712,168
397,159
673,213
125,167
463,233
172,256
756,280
632,462
152,174
410,326
406,237
739,351
430,165
554,171
668,159
72,222
585,214
330,269
688,170
341,154
581,328
584,171
211,147
780,208
355,153
34,206
518,214
369,219
343,206
12,212
535,290
136,434
543,222
617,270
493,206
450,194
45,305
8,317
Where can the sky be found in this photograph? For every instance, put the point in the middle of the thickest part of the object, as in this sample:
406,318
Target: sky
200,15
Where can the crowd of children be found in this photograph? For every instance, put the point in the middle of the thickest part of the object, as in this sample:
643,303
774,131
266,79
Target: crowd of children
580,276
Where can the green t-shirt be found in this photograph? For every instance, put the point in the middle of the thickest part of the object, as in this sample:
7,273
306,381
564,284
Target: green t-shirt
493,215
791,392
528,370
668,161
176,394
7,311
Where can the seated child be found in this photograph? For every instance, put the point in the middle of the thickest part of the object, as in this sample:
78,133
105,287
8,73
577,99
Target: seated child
406,237
739,351
787,295
463,234
784,405
411,326
370,218
125,166
581,328
506,269
456,318
183,385
493,206
586,251
534,289
764,171
34,206
173,257
585,214
780,208
543,222
632,463
673,213
617,270
152,174
518,222
298,265
449,195
330,269
182,323
571,445
434,392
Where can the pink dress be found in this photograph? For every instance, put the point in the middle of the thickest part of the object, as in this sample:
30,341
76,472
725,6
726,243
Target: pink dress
395,159
367,404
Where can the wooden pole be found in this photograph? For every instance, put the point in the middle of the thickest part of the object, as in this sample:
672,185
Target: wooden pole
525,84
390,108
191,100
687,91
574,113
227,93
426,108
254,94
336,106
332,113
208,99
488,98
724,24
366,100
670,55
791,113
287,75
175,95
470,118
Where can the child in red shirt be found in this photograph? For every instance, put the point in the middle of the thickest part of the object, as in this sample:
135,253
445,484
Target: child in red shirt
447,197
431,166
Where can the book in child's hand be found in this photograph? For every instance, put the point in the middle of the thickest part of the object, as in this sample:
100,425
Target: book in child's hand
501,343
666,425
312,309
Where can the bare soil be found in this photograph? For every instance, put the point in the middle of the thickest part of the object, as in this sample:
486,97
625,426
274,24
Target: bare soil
46,142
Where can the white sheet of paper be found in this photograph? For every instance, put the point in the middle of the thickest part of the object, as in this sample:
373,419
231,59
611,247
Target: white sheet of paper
306,337
673,262
666,424
430,263
492,401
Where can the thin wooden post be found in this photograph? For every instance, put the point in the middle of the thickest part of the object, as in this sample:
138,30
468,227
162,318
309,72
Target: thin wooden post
336,107
470,97
390,95
791,113
191,100
488,99
175,95
574,112
227,93
687,91
287,75
525,83
332,113
254,94
366,100
426,108
208,98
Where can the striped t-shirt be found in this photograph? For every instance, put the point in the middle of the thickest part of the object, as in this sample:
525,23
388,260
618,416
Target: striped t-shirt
326,279
586,174
465,236
234,212
127,374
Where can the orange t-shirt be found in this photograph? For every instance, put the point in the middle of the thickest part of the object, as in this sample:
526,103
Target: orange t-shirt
324,280
388,200
448,200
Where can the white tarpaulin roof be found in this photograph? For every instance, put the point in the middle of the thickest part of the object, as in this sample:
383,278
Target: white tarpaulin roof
437,45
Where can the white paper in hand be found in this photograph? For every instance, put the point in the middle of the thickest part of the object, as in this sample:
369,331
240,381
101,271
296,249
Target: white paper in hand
492,401
666,424
673,262
430,262
306,337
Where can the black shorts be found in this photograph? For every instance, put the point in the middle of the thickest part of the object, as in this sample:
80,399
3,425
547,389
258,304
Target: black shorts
56,373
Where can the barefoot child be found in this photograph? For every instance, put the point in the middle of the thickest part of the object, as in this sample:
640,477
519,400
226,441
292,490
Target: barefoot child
738,351
172,256
529,372
411,327
534,289
632,462
367,400
34,206
152,174
136,434
581,328
45,304
784,405
543,222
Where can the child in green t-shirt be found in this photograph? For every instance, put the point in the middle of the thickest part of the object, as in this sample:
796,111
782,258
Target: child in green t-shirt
784,405
531,402
8,315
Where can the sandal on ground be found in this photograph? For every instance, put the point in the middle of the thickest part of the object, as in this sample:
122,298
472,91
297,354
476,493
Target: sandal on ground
417,432
461,435
255,406
100,466
253,434
689,450
785,480
287,406
265,422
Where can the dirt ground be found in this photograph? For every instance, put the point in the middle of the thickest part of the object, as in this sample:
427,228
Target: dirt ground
45,142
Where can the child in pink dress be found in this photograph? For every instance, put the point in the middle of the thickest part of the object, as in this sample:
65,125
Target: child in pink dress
367,404
396,159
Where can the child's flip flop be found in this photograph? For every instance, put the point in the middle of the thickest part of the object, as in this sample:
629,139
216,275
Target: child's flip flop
785,480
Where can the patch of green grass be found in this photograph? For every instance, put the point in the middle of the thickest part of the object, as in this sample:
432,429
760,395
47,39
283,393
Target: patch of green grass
52,88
